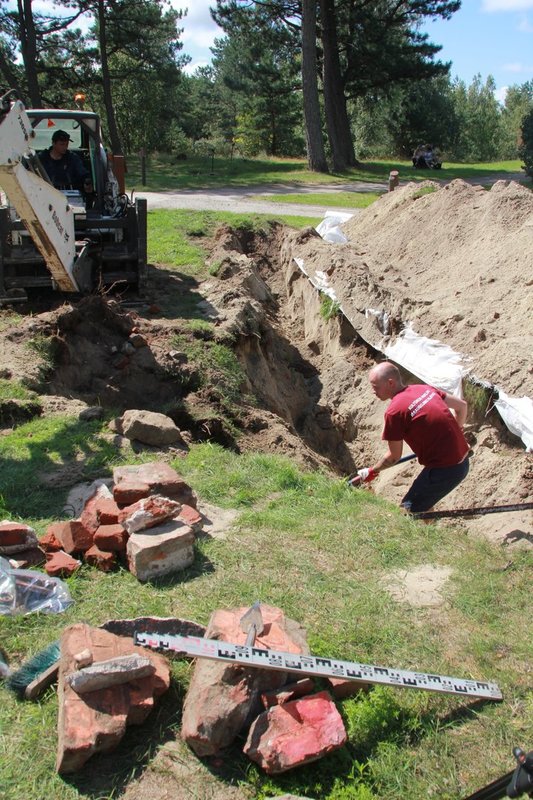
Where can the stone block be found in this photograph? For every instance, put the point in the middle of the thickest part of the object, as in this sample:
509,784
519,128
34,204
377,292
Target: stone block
111,672
223,698
150,427
161,550
61,564
97,722
111,537
103,560
89,515
148,513
160,478
296,733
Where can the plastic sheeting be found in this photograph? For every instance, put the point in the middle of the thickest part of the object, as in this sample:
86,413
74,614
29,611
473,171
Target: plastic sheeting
517,413
432,361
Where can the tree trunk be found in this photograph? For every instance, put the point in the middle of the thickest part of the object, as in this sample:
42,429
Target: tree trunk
9,75
28,49
316,156
116,144
337,121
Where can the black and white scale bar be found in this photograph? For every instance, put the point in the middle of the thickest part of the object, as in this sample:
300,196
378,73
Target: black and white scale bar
315,665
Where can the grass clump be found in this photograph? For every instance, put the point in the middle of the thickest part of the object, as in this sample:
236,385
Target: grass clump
216,365
423,191
329,308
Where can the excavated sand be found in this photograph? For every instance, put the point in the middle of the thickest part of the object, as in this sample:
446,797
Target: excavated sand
461,258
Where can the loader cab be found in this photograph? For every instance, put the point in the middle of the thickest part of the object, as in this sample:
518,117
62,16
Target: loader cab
83,127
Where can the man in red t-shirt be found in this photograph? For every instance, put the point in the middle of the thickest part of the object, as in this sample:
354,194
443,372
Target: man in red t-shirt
421,416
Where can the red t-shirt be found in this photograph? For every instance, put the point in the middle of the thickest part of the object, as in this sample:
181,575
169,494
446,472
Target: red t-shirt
419,416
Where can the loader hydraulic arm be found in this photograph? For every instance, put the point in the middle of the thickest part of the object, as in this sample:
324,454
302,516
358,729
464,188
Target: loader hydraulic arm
44,210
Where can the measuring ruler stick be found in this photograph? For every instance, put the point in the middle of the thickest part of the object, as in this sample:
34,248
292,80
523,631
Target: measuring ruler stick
315,665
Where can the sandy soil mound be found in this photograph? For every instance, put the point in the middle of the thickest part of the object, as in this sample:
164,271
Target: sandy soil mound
457,262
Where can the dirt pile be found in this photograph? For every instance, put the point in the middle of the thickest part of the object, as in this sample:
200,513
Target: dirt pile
457,261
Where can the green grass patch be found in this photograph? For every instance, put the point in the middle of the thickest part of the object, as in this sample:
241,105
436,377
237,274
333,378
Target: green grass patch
329,308
322,552
424,190
175,237
333,199
14,390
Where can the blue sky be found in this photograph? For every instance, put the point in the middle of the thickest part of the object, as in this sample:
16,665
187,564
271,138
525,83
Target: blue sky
489,37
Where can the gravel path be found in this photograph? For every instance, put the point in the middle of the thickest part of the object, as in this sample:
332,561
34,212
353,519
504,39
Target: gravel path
254,199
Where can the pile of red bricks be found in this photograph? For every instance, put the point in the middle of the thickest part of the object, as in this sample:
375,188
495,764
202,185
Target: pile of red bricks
149,512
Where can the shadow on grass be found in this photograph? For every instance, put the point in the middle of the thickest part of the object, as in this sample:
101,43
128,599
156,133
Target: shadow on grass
37,449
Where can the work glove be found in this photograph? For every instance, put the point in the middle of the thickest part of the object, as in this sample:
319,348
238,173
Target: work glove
365,475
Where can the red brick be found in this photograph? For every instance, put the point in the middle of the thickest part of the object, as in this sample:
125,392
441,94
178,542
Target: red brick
74,536
128,492
50,541
102,560
107,511
60,564
111,537
12,533
190,516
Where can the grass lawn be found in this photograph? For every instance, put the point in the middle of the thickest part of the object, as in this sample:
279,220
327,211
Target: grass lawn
164,172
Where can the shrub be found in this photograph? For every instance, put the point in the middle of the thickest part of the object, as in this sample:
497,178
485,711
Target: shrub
526,150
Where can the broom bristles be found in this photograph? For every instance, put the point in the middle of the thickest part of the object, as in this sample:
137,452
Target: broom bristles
19,681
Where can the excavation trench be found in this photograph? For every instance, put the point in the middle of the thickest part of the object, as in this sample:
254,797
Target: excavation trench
305,393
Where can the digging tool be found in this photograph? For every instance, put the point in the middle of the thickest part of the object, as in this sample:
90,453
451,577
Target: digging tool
252,623
314,665
473,512
355,482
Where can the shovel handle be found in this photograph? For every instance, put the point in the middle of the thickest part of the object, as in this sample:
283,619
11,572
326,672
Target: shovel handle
402,460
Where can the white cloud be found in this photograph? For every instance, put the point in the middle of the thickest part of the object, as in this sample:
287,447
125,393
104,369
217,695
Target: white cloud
507,5
199,29
501,94
517,68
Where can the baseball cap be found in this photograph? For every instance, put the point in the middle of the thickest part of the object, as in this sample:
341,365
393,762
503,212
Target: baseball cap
59,134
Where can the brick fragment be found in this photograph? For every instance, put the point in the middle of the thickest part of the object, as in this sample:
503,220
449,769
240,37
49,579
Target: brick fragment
50,541
74,536
111,537
147,513
13,533
60,564
129,492
107,511
102,560
190,516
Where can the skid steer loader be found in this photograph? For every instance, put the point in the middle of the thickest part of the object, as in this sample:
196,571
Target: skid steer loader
64,239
